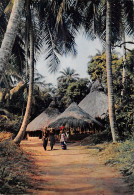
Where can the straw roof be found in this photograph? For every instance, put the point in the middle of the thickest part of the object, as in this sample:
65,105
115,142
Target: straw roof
73,116
43,119
95,103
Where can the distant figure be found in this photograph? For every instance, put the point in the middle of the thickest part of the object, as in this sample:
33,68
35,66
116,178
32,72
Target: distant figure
52,138
63,139
45,138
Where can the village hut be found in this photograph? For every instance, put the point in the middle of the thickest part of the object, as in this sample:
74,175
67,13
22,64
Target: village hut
74,117
96,102
35,127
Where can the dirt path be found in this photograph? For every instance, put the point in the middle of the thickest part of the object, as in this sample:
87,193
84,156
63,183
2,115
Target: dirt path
73,171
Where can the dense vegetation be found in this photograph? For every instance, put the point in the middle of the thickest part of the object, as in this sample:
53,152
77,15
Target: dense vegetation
16,168
24,94
123,104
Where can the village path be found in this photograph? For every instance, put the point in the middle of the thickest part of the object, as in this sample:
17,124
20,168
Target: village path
73,172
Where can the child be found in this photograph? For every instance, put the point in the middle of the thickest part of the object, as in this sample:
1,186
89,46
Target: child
63,140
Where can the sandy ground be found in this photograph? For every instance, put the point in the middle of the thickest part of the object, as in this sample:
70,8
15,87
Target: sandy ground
73,171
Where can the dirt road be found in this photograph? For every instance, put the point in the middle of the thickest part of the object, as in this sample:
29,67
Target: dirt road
73,172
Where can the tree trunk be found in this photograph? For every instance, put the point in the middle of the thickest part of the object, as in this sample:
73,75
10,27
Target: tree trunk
124,64
22,130
27,38
16,90
109,71
8,89
10,34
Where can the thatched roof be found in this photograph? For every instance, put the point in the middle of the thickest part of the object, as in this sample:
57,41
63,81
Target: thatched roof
43,119
96,102
73,116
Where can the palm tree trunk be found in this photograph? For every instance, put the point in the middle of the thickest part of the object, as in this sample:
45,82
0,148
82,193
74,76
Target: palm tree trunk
27,38
8,89
10,34
124,64
109,71
22,130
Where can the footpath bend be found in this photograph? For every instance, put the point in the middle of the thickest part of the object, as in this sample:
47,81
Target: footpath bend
72,172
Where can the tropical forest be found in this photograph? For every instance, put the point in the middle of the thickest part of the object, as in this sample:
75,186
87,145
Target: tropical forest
74,136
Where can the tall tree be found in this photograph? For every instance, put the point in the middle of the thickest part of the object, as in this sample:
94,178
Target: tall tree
50,38
22,130
109,71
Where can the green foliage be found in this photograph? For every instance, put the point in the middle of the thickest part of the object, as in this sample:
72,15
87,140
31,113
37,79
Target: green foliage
97,68
121,155
76,91
68,75
97,138
123,105
10,124
124,159
73,91
124,112
41,100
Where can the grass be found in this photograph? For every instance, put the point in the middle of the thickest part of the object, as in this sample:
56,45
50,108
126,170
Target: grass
16,169
120,155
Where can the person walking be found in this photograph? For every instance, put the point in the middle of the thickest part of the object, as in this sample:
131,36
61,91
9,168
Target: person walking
52,138
45,138
63,139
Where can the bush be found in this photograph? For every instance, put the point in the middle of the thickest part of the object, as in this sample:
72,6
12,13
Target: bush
120,155
15,169
97,138
126,160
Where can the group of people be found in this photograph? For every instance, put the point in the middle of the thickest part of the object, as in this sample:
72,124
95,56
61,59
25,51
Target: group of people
50,135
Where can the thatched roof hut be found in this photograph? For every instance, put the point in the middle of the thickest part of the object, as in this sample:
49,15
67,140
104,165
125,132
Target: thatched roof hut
96,102
73,116
43,119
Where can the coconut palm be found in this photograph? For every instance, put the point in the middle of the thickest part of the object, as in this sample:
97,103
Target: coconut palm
52,41
59,28
95,17
109,71
107,26
68,75
22,130
108,59
50,38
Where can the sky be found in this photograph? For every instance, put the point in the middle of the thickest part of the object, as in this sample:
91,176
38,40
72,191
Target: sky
85,49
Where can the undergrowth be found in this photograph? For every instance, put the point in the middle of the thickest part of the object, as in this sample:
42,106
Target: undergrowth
15,169
120,155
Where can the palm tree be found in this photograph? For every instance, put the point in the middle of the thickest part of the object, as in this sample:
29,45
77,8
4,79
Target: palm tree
96,22
22,130
126,28
109,71
52,41
107,26
10,35
50,38
68,75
